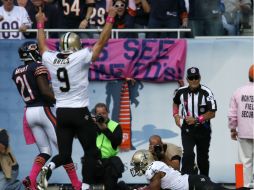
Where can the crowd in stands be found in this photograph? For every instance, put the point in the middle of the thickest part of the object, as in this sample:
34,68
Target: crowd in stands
203,17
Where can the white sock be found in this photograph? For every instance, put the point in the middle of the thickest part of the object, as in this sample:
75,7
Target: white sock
85,186
51,165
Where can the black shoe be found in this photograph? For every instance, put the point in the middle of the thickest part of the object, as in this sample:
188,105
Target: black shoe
27,183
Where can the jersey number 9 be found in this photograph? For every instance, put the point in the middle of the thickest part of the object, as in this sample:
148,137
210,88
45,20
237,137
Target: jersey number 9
62,76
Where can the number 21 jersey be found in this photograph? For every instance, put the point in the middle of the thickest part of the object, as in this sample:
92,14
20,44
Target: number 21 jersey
24,77
69,75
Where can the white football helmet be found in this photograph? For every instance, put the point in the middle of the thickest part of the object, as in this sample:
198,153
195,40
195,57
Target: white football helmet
70,42
140,160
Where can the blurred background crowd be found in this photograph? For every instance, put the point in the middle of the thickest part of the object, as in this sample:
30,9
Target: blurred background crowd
203,17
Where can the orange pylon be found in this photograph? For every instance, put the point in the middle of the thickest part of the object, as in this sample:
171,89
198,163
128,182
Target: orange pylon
125,116
239,182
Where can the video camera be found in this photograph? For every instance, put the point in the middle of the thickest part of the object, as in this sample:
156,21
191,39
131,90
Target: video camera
99,118
158,150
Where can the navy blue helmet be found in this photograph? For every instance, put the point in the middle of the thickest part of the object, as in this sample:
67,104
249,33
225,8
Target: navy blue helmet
29,51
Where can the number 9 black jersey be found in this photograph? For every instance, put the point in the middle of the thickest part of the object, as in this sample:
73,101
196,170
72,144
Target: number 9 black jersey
24,77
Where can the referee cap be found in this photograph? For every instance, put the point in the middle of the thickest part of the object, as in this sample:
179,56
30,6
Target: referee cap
193,71
251,72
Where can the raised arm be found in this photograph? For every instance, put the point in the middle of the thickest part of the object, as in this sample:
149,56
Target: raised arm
90,6
145,6
40,18
105,34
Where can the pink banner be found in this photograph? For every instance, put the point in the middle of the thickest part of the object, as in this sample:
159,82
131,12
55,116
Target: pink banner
154,60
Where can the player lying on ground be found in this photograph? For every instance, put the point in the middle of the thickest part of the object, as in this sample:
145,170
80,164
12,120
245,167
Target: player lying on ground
162,176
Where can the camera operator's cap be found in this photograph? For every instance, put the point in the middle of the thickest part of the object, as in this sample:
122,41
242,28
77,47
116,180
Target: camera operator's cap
251,72
193,71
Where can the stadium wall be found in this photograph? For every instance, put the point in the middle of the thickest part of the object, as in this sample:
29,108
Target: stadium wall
223,65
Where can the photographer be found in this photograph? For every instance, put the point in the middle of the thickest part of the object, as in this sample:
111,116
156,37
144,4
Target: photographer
165,152
109,137
9,168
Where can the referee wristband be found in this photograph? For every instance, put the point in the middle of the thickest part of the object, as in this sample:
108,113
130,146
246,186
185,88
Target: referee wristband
201,119
175,111
176,115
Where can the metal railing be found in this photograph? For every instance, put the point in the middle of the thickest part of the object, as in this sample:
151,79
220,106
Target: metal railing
114,33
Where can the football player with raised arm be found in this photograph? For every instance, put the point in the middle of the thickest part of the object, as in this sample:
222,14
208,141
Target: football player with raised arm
69,72
31,79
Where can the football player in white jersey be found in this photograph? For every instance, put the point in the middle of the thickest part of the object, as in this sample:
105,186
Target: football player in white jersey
162,176
13,17
69,74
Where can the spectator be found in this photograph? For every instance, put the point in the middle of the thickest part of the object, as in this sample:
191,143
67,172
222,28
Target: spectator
205,17
233,15
51,13
69,72
22,3
240,122
167,14
165,152
162,176
9,168
142,16
97,19
98,16
109,138
31,80
246,17
199,107
125,17
13,17
75,14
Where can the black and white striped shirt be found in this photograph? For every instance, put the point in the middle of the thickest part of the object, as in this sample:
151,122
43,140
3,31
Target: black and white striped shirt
195,103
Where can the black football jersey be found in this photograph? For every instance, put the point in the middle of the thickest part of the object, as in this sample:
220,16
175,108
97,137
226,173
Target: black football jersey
98,17
72,12
24,77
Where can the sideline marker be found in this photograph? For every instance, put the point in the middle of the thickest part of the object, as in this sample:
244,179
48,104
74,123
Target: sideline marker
125,117
239,175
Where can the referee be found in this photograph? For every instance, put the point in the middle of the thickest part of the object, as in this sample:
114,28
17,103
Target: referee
198,106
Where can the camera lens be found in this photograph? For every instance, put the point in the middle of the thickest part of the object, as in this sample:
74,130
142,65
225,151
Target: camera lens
157,148
158,151
99,119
